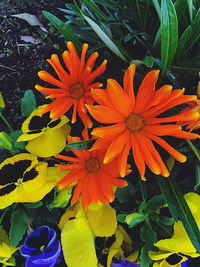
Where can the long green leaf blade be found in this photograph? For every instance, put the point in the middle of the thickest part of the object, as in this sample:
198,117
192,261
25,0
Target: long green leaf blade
95,9
169,33
64,30
82,145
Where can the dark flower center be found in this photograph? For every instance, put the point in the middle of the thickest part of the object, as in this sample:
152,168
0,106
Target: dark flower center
77,91
134,122
174,259
92,165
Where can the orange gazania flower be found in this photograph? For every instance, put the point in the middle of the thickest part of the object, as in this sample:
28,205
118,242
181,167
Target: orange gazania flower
195,106
95,180
74,86
135,123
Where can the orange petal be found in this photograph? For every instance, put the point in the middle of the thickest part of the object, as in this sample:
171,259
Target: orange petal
82,62
71,178
128,84
146,91
122,159
67,158
109,131
177,155
94,188
137,155
105,114
47,77
101,97
116,146
98,71
185,135
91,60
161,129
77,191
119,99
49,91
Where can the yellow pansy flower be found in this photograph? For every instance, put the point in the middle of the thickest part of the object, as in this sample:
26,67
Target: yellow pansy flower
79,228
24,179
46,137
6,250
173,251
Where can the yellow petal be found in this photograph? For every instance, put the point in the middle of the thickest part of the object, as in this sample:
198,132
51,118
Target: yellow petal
159,255
78,244
2,103
103,221
50,143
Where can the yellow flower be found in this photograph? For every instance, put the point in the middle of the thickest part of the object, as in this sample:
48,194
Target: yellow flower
6,250
78,234
2,103
174,250
24,179
46,137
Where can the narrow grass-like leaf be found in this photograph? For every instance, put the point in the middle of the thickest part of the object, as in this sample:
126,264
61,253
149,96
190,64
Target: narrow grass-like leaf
64,30
82,145
190,36
168,195
108,3
95,9
190,9
157,7
169,33
186,216
115,48
187,67
181,7
197,174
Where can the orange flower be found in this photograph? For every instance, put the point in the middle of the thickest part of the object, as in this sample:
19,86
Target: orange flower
135,123
195,106
95,179
73,88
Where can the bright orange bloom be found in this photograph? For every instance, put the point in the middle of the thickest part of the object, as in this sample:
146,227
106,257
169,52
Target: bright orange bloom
74,86
95,179
135,121
195,106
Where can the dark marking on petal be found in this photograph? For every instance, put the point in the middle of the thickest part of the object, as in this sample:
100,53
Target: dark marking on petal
34,131
54,123
10,173
7,189
174,259
38,123
110,241
30,175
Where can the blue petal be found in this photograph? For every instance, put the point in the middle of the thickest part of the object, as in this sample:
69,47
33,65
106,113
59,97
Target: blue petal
29,263
48,256
124,263
184,264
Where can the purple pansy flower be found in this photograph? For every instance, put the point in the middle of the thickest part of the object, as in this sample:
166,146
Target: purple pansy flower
124,263
41,248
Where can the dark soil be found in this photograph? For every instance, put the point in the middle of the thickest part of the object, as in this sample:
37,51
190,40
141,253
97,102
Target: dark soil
20,61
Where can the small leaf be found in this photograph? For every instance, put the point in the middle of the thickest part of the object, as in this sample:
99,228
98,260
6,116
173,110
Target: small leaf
166,220
33,205
155,203
18,224
31,19
21,145
148,61
82,145
134,219
111,44
197,173
28,103
169,33
64,30
123,194
121,217
2,103
5,141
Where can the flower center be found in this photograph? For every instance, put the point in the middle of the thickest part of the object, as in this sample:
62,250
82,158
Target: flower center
77,91
92,165
134,122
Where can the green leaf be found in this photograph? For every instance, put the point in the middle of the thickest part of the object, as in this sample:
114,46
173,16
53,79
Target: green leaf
197,174
180,6
189,37
148,61
82,145
187,67
190,9
123,194
21,145
64,30
168,195
33,205
121,217
18,224
28,103
155,203
166,220
95,9
148,235
134,219
111,44
169,33
5,141
183,212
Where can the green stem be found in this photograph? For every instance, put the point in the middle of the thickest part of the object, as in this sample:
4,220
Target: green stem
3,215
146,14
143,188
193,149
6,122
139,13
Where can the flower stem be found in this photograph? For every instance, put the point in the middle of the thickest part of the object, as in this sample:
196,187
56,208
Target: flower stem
193,149
6,122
